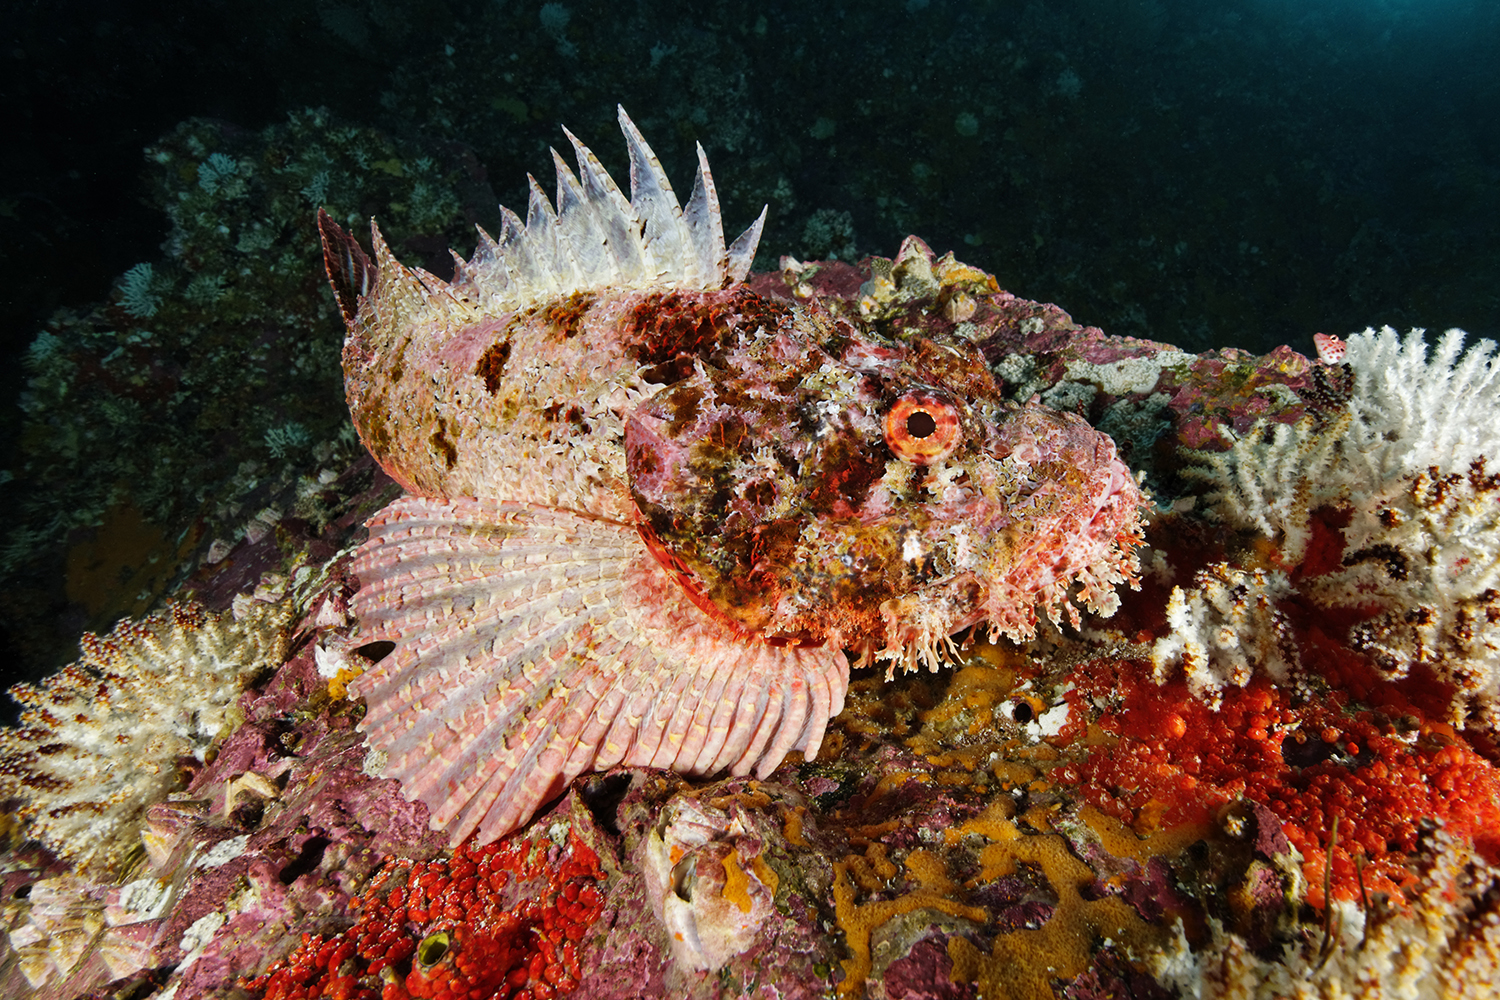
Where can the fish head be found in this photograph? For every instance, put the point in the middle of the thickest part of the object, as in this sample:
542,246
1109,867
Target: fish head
820,483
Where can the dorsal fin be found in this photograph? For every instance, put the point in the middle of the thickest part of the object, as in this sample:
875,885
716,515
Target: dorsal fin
594,239
349,269
655,206
742,251
704,224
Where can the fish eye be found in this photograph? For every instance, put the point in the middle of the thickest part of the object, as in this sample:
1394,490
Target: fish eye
920,424
922,428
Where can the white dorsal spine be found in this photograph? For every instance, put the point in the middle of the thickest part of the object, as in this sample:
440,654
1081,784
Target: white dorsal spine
596,239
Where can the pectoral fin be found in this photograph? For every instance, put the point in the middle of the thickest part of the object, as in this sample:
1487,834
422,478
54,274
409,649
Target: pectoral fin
535,644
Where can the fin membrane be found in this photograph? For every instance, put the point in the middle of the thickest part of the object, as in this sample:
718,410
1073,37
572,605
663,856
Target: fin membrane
349,269
535,644
595,238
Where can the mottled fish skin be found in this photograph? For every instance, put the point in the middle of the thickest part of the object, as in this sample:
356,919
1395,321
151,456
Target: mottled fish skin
783,484
649,509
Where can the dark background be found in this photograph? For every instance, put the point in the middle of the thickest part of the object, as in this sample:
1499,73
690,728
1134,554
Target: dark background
1243,172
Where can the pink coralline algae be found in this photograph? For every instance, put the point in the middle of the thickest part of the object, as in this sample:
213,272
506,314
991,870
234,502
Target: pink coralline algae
651,507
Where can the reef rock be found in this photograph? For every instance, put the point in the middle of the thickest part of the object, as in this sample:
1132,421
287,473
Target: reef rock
1250,781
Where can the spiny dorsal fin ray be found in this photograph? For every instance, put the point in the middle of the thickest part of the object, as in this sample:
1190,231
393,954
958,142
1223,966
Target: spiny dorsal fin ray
594,239
622,235
553,643
663,232
541,231
482,276
581,230
350,271
519,256
742,251
705,226
396,301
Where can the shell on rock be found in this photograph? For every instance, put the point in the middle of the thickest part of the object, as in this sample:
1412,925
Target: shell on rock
649,509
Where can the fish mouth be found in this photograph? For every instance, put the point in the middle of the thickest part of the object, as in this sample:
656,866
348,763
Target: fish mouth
920,625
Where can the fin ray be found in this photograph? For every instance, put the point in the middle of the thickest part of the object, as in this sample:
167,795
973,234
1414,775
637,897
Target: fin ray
534,644
663,234
706,226
350,271
742,251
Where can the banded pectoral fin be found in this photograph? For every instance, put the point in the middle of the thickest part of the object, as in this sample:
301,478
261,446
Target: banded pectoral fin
535,644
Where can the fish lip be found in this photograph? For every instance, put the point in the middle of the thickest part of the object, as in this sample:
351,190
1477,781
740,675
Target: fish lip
945,591
692,587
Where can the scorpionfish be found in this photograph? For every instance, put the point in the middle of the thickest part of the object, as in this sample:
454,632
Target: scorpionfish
651,515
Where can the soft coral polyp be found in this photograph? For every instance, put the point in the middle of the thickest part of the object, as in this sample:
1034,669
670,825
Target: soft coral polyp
498,922
1309,757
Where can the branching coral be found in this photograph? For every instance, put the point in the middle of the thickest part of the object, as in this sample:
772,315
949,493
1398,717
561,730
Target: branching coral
1406,415
1226,628
1390,510
103,738
1425,554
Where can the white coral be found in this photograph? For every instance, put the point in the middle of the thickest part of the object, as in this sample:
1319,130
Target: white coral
102,739
1406,414
1426,551
1445,946
1405,464
140,291
1227,629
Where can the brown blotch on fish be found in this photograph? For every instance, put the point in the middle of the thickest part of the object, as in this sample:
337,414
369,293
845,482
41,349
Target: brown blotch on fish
491,365
566,315
398,365
443,446
672,328
682,404
558,410
374,430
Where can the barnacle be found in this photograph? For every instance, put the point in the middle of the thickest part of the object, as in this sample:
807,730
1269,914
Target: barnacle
66,925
